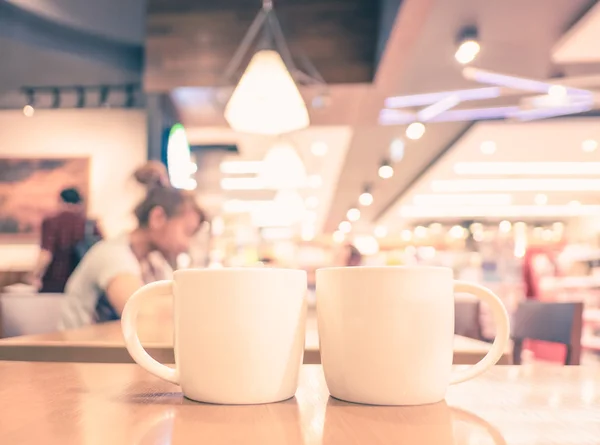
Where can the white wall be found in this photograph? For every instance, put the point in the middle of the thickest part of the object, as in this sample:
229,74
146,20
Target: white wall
114,139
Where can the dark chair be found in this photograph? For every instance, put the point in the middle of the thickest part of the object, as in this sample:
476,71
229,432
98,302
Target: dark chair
466,319
551,322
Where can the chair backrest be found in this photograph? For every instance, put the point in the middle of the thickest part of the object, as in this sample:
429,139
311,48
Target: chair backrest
551,322
466,319
29,314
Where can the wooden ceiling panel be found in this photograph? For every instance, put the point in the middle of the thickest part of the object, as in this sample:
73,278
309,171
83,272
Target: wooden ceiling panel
190,43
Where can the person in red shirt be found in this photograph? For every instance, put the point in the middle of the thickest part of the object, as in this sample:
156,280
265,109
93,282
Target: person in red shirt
60,234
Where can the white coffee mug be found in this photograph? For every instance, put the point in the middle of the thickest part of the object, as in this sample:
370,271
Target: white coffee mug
239,333
386,333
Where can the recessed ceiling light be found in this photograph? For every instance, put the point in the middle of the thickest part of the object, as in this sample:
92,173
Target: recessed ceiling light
467,51
353,214
415,131
589,145
505,226
541,199
488,147
366,198
345,227
319,148
457,232
386,171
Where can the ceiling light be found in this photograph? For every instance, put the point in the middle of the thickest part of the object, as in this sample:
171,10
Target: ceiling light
399,117
467,51
515,185
406,235
276,233
242,184
312,202
28,110
589,145
478,236
438,108
415,131
557,91
457,232
435,227
468,45
338,237
420,232
541,199
283,168
386,171
319,148
366,198
417,100
527,168
380,231
345,227
476,227
353,214
504,226
243,206
366,244
266,100
397,150
515,211
240,167
462,199
308,232
488,147
314,181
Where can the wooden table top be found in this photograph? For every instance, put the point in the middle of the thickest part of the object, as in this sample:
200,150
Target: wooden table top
103,343
68,403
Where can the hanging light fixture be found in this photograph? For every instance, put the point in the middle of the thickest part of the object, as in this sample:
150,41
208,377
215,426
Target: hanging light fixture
282,168
366,198
267,100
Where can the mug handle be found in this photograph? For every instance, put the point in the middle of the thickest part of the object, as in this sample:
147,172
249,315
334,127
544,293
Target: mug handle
502,331
129,327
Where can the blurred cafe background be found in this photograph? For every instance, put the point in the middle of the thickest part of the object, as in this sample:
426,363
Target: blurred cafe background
313,133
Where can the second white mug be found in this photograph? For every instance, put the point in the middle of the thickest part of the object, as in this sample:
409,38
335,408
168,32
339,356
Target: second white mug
386,333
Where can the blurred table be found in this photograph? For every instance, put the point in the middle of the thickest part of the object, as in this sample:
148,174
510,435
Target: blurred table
103,343
118,404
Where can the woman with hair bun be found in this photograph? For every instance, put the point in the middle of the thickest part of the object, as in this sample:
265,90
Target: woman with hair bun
112,270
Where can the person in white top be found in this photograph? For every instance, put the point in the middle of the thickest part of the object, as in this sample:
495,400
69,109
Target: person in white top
112,270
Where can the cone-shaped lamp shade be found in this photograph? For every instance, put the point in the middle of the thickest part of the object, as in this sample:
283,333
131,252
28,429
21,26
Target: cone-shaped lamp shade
266,100
282,168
